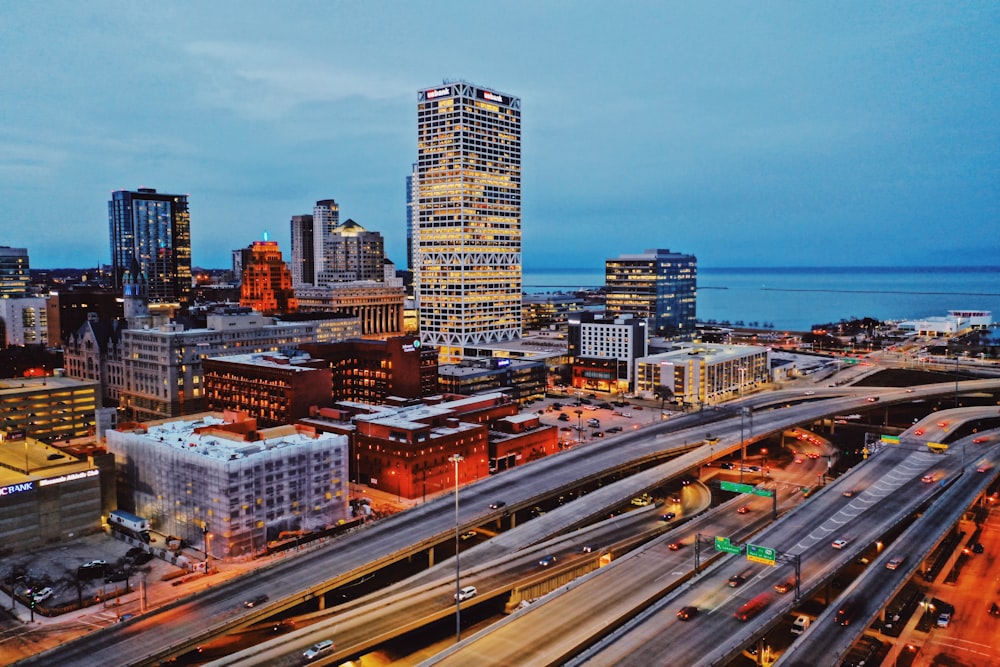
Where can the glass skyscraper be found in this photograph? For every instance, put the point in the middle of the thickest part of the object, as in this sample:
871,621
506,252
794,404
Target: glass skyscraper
657,284
151,234
467,217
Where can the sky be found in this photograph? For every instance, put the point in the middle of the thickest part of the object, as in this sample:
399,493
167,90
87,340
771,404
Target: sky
749,134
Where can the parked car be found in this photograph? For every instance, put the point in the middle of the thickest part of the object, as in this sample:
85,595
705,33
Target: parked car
42,595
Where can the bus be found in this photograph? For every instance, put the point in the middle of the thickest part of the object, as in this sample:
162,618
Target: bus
753,607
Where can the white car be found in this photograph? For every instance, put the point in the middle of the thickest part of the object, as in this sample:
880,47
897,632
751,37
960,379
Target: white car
466,593
43,594
839,544
318,649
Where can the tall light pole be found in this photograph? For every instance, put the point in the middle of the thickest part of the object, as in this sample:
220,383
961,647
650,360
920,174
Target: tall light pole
743,443
456,459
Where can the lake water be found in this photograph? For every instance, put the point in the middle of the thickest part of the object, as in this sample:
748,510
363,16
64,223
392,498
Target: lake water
796,298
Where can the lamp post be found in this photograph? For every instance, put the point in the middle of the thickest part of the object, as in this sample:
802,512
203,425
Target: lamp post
456,459
743,443
763,462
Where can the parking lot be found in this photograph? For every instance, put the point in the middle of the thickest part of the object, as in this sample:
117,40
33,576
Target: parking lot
594,417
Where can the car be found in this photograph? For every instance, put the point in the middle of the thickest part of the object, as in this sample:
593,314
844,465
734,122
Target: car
255,601
944,619
725,465
799,459
685,481
465,593
919,431
468,535
846,612
142,558
927,479
687,613
839,544
586,549
980,440
614,429
643,500
95,563
977,548
675,499
943,424
497,504
318,649
894,562
667,516
674,546
42,595
848,493
784,586
982,468
547,560
563,417
873,399
810,393
736,580
813,455
597,434
743,510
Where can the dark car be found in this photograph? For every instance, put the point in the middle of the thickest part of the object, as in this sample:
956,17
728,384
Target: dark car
548,560
736,580
977,548
687,613
497,504
667,516
254,602
845,615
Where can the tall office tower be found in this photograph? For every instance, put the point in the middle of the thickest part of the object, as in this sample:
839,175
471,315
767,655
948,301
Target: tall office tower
303,256
267,282
411,183
352,253
14,273
326,217
467,218
154,230
657,284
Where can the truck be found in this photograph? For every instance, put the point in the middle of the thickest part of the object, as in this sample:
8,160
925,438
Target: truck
130,524
753,607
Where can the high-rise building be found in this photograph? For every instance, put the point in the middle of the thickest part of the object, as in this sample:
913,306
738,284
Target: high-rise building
411,184
267,282
658,285
303,256
154,231
14,273
352,253
467,217
326,217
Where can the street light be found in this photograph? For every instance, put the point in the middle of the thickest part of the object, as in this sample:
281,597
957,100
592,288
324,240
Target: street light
456,459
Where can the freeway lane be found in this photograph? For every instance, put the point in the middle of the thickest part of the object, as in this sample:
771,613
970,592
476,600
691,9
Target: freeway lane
548,634
177,628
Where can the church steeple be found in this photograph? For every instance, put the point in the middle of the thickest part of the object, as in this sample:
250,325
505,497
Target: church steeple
135,288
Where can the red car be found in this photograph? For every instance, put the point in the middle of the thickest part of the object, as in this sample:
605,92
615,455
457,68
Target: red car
674,546
743,510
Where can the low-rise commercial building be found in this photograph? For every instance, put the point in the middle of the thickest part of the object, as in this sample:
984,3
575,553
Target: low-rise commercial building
49,408
703,373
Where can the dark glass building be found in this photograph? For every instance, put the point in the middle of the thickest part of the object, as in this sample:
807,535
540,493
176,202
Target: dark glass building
658,285
151,233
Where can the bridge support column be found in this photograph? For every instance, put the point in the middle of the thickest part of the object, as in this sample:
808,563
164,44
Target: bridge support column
430,557
322,602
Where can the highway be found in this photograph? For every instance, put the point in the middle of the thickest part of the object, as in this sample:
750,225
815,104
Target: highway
177,628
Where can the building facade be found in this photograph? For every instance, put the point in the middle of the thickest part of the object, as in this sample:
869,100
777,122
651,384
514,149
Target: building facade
303,260
377,305
658,285
371,371
520,379
15,274
352,254
273,388
49,408
467,217
25,320
151,235
224,486
704,373
604,350
69,308
267,283
326,217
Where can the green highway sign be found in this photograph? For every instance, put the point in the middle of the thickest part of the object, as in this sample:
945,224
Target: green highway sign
738,488
767,493
724,544
760,554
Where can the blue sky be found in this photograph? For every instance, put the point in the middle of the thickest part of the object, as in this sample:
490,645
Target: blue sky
745,133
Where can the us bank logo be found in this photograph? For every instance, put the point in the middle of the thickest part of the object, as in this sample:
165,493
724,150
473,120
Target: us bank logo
16,488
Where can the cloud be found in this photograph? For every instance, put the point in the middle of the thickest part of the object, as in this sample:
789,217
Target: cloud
264,83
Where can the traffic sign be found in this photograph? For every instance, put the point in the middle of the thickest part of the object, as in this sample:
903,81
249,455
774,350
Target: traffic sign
725,544
767,493
737,488
759,554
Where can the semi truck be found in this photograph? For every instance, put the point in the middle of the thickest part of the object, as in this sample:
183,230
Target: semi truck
130,524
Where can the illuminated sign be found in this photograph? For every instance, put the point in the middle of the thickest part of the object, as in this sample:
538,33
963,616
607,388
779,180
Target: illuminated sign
503,362
759,554
437,92
71,477
490,96
16,488
411,347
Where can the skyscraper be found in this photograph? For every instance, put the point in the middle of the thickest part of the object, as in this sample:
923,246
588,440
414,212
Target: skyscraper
352,253
326,217
467,217
267,282
14,273
303,256
657,284
152,230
